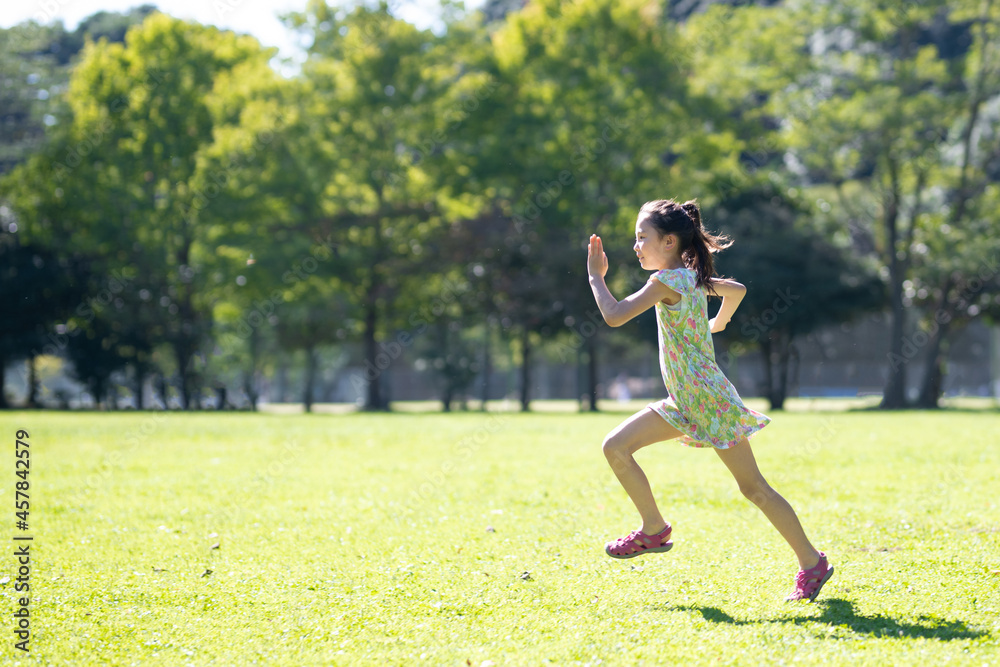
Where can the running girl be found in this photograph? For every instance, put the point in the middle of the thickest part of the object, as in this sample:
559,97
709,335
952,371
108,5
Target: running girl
703,409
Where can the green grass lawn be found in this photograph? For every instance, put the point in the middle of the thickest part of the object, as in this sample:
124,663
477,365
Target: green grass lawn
232,539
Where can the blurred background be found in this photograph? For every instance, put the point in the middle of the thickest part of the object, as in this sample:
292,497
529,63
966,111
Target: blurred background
237,204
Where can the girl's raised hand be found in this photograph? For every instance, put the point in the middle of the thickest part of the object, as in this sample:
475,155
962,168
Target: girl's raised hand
597,261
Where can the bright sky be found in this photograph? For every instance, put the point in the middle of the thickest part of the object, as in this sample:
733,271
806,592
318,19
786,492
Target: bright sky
257,17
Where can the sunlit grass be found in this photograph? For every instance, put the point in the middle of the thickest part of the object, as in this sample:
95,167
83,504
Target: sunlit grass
237,539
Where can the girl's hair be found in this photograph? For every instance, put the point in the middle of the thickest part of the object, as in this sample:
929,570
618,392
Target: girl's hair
696,244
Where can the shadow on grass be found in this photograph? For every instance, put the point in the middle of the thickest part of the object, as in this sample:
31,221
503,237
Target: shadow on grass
841,613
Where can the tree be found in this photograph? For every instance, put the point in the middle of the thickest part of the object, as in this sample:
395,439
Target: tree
34,71
28,74
955,258
306,323
956,279
274,278
911,85
38,290
376,86
797,281
125,168
595,102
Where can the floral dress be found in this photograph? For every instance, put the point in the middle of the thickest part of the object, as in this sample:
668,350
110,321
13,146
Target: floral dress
703,403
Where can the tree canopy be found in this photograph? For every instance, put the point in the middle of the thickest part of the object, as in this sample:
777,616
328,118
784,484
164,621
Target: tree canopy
171,207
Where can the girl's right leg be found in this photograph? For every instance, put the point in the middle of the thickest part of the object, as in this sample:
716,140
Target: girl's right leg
741,463
640,430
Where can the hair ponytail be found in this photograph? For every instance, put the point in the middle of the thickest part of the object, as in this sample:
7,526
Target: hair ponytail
696,245
691,208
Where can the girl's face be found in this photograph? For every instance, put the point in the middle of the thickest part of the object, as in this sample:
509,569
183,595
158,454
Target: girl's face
653,250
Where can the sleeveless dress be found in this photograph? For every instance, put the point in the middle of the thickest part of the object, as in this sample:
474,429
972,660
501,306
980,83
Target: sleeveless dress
703,403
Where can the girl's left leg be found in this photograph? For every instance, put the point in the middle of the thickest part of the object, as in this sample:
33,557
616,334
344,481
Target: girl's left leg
640,430
741,463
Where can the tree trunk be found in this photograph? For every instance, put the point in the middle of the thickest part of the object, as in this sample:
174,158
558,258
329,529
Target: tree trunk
99,388
894,392
794,365
186,339
376,400
138,389
525,371
447,372
32,401
448,396
184,354
3,383
592,371
282,378
250,378
250,389
311,363
161,386
780,392
765,353
930,390
487,367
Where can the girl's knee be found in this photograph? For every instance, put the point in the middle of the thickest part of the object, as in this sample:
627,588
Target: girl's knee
614,447
609,445
757,491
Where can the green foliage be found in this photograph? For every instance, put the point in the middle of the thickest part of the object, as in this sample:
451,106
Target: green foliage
125,174
382,100
29,77
38,289
797,280
899,101
778,248
34,71
250,212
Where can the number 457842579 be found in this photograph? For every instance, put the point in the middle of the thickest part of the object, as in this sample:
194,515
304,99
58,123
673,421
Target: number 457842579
22,466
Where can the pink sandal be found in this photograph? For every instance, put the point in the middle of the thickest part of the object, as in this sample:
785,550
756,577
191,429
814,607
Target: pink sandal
809,582
637,543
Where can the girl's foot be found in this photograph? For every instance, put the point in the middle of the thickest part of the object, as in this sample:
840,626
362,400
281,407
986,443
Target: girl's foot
809,582
637,543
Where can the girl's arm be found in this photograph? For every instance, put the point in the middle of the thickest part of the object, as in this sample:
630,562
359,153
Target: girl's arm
732,293
615,312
